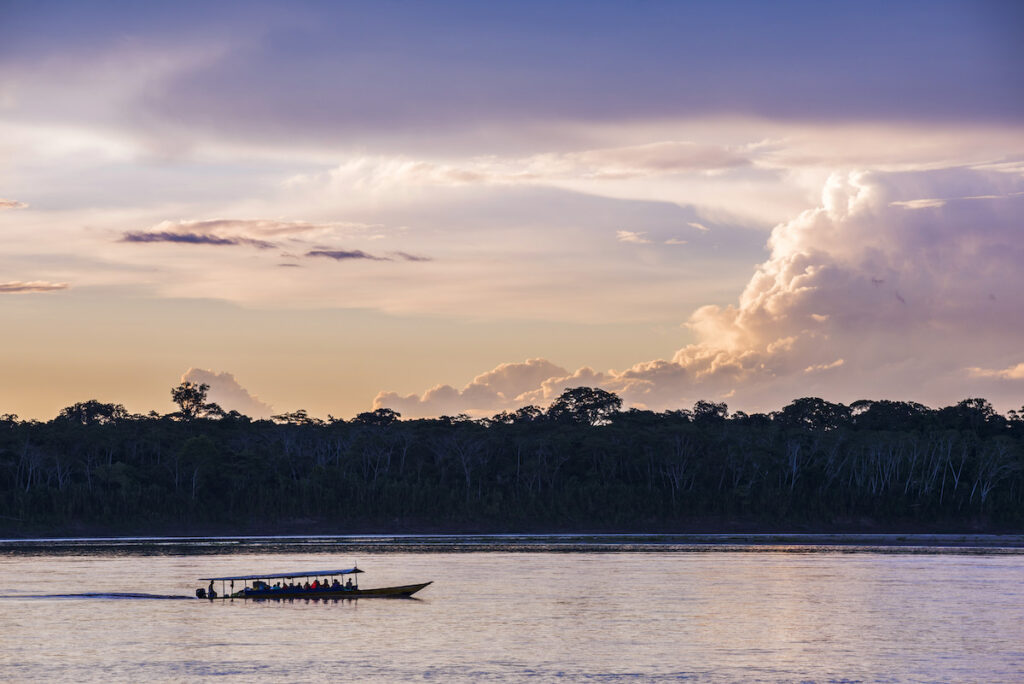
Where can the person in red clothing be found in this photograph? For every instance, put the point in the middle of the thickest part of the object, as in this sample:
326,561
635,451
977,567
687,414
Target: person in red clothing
316,584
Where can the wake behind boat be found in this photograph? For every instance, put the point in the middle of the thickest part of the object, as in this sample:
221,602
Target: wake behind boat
313,584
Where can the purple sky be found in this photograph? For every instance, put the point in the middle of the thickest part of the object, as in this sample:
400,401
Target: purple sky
448,207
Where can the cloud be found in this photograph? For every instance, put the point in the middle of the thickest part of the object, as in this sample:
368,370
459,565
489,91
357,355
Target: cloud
11,204
344,255
1012,373
411,257
257,227
227,393
636,237
699,226
676,241
824,366
242,232
19,287
507,386
858,298
194,239
667,158
927,203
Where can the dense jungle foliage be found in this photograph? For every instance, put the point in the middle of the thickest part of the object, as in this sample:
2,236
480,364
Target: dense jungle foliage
581,464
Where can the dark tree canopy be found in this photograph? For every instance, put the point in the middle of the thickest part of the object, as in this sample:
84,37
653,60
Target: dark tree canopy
300,417
584,405
814,413
93,412
709,411
380,417
583,464
191,400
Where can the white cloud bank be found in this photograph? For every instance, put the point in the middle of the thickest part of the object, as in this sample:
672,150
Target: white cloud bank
869,295
227,393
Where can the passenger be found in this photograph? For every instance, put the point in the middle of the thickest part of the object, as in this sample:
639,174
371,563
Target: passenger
335,584
316,584
210,592
306,585
348,585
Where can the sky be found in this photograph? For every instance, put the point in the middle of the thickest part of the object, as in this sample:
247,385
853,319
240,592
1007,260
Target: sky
464,207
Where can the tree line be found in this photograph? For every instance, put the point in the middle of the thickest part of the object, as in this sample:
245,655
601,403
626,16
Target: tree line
582,463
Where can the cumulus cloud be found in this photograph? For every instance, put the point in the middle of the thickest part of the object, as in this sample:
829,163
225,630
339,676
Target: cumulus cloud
227,393
859,298
11,204
344,254
509,385
636,237
18,286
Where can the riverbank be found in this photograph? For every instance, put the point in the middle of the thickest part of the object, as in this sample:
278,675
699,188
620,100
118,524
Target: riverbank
549,543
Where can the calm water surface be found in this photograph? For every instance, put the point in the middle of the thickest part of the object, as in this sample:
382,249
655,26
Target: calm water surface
733,615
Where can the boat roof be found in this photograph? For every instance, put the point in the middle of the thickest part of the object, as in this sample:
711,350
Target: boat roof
282,575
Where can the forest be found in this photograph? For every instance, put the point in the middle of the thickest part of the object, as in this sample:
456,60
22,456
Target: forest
581,464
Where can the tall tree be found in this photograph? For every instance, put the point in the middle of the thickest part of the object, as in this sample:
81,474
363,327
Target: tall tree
191,399
587,405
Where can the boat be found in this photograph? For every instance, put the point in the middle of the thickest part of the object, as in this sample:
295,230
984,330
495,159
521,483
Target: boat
311,584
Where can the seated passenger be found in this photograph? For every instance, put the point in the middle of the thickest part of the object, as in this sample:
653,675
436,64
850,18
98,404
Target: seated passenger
348,585
306,585
335,584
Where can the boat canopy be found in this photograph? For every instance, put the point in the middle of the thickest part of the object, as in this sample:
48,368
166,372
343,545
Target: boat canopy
283,575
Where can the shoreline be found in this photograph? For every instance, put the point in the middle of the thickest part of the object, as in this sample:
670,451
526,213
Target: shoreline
623,541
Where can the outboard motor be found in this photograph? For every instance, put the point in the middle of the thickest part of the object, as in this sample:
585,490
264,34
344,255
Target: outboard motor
200,593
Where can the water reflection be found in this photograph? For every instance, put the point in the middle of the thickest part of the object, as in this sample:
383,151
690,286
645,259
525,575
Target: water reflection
770,615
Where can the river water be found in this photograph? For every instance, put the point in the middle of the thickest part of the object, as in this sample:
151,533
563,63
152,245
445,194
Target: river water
517,610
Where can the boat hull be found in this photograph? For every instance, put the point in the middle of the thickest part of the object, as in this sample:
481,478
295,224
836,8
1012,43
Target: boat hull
404,591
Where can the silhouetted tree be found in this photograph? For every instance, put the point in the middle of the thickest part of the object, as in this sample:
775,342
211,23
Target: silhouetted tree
709,412
380,417
586,405
300,417
812,413
92,412
191,400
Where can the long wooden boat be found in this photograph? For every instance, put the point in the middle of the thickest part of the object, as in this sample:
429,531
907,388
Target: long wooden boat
293,585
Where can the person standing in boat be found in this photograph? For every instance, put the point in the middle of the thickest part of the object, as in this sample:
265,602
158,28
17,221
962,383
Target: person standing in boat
211,592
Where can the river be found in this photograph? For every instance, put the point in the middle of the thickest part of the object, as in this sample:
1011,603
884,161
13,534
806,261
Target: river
518,609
